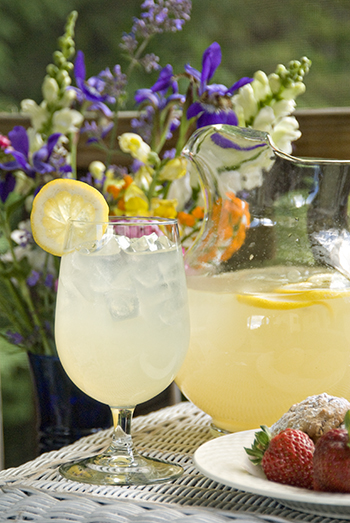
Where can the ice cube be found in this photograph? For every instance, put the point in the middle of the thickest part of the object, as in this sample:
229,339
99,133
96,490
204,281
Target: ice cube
163,242
152,241
171,310
123,242
139,245
122,304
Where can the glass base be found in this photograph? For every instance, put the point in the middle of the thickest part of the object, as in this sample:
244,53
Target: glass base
216,431
108,470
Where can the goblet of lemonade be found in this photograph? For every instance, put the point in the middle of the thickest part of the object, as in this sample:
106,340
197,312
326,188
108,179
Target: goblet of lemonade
122,331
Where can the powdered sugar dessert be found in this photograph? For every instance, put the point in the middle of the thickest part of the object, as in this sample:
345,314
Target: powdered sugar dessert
315,415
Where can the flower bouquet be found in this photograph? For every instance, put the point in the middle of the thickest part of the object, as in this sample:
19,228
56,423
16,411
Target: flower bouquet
155,183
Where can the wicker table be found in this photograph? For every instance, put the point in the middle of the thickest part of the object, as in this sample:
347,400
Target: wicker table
35,491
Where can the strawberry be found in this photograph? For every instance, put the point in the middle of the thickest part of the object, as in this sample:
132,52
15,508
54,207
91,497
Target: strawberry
332,460
285,458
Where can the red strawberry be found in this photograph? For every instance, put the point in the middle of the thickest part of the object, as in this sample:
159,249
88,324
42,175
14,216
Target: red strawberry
286,458
332,460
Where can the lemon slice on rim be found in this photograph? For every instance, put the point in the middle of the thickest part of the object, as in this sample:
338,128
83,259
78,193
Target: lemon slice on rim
60,201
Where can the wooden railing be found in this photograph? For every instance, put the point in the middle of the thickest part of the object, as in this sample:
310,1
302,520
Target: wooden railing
325,134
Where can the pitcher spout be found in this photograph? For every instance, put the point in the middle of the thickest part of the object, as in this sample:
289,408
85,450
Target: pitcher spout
251,191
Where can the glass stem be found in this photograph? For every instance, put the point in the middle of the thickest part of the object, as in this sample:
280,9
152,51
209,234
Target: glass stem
122,445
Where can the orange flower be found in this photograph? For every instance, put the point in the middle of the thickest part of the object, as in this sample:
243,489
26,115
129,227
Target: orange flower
121,204
128,180
186,219
113,190
198,212
230,220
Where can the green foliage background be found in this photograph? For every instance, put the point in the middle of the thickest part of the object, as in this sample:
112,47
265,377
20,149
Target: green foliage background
253,34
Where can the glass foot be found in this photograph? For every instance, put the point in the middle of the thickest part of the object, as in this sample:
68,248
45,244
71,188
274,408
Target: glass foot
108,470
216,431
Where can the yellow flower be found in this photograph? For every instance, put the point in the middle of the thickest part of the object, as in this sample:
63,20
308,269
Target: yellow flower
143,177
97,169
164,208
173,169
133,144
135,201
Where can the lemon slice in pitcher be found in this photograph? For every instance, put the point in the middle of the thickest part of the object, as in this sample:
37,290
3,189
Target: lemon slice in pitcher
60,201
273,301
317,287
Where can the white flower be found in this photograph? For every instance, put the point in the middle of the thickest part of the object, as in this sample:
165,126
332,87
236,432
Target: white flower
261,86
50,89
133,144
35,140
68,97
23,235
143,177
283,108
275,83
249,175
245,104
285,132
264,119
38,114
292,92
67,121
181,190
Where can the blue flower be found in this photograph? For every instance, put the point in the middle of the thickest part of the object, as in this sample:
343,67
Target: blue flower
33,278
91,90
156,95
41,161
214,104
164,94
14,337
159,17
7,184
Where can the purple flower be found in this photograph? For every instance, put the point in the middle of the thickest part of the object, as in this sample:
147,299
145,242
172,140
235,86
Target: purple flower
226,143
111,84
14,337
33,279
150,62
91,90
214,104
156,95
164,94
49,280
162,16
169,154
7,184
41,161
96,133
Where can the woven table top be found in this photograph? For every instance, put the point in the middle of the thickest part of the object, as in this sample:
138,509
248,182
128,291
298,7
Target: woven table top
35,491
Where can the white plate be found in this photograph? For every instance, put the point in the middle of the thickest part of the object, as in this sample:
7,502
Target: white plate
224,460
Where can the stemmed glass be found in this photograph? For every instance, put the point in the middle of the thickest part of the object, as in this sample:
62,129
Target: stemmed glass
122,331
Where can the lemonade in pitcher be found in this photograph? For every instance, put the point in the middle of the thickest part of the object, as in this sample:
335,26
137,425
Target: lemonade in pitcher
263,339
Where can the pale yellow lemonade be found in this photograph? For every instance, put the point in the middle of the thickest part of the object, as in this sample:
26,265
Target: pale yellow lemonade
122,323
262,340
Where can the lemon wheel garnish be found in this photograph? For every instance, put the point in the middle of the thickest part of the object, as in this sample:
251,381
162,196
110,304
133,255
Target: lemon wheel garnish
273,302
60,201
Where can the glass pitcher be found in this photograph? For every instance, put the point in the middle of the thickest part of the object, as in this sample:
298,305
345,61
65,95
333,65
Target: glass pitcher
268,280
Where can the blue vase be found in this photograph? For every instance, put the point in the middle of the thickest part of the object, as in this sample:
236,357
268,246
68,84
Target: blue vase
64,412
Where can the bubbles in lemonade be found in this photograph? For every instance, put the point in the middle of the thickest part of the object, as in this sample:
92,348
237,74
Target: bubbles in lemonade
262,340
136,290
